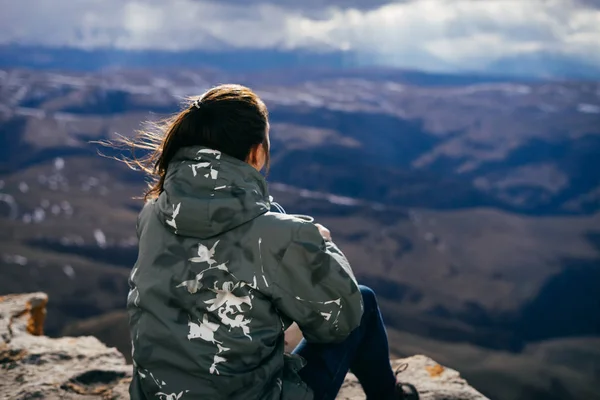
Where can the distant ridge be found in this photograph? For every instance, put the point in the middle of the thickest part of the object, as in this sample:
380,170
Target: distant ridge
545,66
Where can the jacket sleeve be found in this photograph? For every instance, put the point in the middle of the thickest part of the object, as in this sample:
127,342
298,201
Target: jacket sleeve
316,288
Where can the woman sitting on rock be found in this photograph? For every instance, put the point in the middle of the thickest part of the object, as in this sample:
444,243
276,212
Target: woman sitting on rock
219,277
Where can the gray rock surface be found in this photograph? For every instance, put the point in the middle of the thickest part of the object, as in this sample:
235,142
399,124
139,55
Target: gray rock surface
433,381
33,366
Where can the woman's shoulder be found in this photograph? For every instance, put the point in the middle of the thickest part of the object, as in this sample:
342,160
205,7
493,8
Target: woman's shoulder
282,226
146,211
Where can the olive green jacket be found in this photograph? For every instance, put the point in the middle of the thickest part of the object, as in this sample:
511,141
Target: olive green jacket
218,280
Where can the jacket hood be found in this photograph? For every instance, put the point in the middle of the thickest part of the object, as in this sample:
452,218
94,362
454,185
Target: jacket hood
207,193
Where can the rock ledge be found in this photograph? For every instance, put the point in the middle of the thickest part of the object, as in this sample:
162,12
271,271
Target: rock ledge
33,366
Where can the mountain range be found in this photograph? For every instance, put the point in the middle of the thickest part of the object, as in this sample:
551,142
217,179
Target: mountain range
469,203
534,66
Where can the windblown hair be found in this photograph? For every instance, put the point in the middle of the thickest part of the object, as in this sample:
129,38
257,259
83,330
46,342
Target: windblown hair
228,118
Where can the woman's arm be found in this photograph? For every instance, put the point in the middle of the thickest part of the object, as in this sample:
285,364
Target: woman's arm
316,288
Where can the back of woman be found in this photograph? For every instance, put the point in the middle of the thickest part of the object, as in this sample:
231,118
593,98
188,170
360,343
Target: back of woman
219,277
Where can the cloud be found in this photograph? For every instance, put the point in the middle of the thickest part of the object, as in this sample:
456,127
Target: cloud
429,34
315,7
462,33
150,24
590,3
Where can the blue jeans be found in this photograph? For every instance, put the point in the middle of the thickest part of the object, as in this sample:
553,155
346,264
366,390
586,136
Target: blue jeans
365,353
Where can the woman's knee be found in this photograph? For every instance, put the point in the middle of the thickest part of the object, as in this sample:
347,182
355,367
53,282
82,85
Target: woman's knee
369,298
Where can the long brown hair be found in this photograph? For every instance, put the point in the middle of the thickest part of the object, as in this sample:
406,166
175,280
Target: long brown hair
228,118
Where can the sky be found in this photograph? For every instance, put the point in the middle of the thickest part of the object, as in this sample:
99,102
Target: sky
429,34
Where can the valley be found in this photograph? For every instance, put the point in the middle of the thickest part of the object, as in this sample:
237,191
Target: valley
472,209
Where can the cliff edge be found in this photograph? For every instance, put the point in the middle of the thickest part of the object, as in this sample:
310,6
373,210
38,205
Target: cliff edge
35,366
